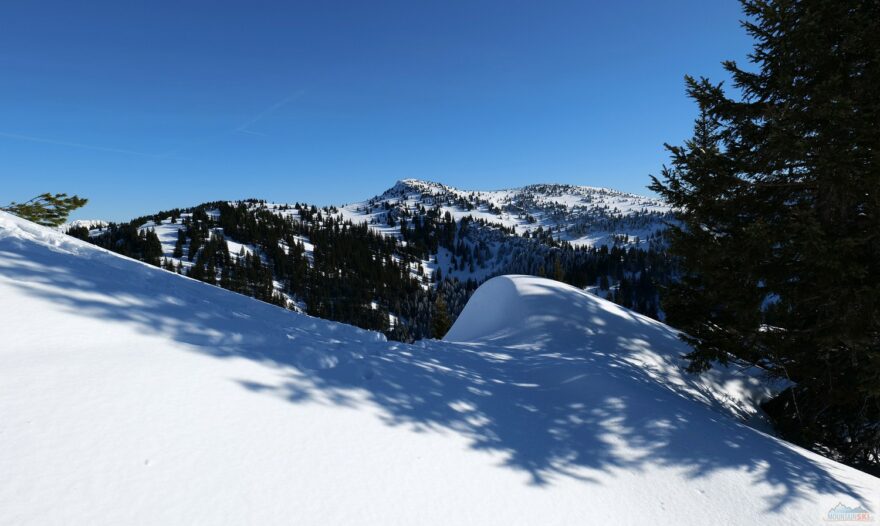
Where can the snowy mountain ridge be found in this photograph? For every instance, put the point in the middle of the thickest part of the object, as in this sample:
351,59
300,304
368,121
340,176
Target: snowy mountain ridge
581,215
134,395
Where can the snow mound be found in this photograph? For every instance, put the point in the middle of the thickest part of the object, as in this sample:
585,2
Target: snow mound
130,395
506,308
531,313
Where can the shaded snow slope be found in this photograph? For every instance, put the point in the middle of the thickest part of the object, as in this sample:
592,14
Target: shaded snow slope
538,315
129,395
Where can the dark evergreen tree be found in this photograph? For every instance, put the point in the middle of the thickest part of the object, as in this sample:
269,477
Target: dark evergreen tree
79,232
46,209
178,246
777,194
152,251
440,322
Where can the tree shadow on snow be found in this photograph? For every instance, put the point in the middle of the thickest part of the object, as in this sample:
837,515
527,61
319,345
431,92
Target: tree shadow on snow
568,403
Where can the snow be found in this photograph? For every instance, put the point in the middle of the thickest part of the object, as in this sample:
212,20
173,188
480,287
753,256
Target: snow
541,315
90,224
603,213
235,248
166,231
130,395
94,226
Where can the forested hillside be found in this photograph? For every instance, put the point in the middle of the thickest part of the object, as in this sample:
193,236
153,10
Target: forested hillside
403,263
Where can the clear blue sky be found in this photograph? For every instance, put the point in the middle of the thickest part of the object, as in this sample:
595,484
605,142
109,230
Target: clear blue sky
163,104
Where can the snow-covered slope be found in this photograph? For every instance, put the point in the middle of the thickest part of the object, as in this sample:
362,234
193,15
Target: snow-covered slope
130,395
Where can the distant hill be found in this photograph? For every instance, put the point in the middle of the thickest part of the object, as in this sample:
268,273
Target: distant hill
580,215
380,263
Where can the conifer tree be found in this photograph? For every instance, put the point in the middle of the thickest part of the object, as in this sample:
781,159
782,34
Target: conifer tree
440,322
178,246
152,252
779,208
46,209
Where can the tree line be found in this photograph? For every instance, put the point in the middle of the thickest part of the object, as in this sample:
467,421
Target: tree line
356,275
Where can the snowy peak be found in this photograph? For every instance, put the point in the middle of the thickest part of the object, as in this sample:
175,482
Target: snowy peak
581,215
561,194
409,186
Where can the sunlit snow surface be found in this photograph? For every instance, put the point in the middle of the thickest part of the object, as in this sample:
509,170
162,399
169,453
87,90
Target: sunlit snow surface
581,215
130,395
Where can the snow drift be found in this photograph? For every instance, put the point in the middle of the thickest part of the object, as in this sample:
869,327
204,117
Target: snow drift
132,395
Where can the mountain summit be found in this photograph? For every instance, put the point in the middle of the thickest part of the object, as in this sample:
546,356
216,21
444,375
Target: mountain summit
581,215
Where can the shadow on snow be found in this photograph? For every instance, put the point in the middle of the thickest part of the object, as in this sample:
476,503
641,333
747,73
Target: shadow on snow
551,408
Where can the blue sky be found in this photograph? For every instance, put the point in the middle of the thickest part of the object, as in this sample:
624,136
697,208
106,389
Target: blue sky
142,107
